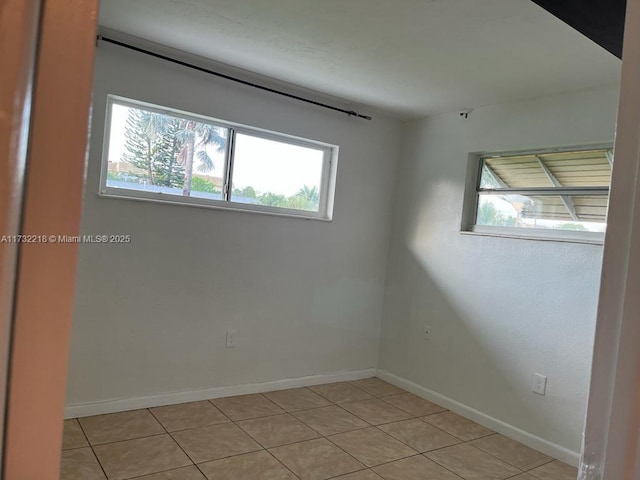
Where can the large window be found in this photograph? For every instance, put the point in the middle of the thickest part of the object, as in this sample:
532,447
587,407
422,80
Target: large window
158,154
560,193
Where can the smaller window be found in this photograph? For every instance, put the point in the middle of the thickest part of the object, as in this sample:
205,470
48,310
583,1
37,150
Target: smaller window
158,154
555,194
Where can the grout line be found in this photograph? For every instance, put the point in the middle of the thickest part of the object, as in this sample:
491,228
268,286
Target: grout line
176,442
250,418
468,442
292,414
74,449
253,418
336,433
265,449
127,440
545,463
422,454
346,453
231,456
349,384
212,401
326,437
199,426
302,409
358,417
462,440
93,451
449,470
284,444
163,471
213,405
367,469
82,430
282,463
514,476
408,446
376,424
505,461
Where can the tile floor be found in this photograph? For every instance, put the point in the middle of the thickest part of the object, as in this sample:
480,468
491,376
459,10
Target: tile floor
361,430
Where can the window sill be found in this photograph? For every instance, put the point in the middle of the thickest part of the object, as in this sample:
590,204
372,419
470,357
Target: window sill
225,206
540,235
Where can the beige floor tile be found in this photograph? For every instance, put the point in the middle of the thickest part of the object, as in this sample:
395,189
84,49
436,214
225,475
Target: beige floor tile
296,399
214,442
80,464
523,476
375,411
116,427
330,420
244,407
472,464
142,456
361,475
414,468
341,392
555,471
186,473
371,446
188,415
419,435
458,426
413,404
316,459
377,387
277,430
251,466
73,436
512,452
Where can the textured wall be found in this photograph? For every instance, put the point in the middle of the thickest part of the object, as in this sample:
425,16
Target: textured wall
305,296
501,308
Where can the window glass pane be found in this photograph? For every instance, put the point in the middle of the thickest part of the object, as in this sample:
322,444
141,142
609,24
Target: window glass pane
577,212
159,153
584,168
276,174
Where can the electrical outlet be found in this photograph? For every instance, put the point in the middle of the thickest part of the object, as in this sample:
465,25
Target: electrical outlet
231,339
539,384
426,332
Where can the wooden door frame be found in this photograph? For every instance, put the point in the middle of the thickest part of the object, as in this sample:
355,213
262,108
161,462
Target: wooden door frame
45,278
611,441
18,40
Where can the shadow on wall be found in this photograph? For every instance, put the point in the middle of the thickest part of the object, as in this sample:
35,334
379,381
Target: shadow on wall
500,309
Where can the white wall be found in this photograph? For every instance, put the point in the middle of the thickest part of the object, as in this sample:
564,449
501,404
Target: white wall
307,297
304,296
501,308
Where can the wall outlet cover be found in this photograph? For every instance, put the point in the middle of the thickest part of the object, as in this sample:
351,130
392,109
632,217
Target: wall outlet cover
426,332
539,384
231,339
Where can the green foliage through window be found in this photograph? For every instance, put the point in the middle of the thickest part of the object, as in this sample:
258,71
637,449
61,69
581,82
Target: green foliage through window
165,147
159,154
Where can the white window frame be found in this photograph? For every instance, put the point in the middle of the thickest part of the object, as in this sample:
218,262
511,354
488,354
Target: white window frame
327,183
473,192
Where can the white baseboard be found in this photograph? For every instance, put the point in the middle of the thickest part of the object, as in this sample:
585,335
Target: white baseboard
556,451
124,404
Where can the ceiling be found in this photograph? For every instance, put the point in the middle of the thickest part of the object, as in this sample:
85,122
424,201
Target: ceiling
406,57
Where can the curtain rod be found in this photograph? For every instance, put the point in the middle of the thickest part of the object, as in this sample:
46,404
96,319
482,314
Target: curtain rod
351,113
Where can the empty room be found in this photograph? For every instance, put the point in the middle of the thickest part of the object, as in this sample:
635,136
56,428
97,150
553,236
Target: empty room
356,240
